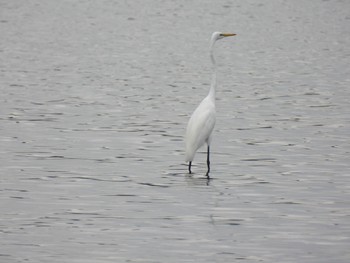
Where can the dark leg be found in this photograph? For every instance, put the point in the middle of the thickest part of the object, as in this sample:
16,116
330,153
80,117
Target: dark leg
208,161
189,167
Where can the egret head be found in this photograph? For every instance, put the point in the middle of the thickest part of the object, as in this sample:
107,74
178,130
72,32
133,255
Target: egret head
220,35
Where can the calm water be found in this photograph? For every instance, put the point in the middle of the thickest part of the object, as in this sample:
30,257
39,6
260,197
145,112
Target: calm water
95,97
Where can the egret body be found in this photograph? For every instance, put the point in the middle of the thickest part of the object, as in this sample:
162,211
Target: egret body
201,124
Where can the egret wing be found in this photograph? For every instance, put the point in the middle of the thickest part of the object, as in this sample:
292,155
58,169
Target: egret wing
199,128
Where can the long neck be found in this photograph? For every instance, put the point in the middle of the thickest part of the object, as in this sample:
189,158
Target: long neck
211,94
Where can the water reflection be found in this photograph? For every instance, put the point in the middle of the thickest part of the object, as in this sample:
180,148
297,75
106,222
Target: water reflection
194,180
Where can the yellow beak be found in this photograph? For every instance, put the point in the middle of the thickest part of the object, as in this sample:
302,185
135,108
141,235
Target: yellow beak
228,34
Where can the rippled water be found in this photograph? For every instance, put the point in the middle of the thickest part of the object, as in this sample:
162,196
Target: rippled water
95,97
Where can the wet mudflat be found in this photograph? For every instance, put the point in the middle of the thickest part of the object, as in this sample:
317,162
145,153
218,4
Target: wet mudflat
95,97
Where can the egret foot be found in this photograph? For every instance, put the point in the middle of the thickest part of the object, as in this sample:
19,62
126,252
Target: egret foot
208,161
189,167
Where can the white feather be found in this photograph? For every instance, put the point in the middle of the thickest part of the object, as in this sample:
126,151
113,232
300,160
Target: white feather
201,124
200,127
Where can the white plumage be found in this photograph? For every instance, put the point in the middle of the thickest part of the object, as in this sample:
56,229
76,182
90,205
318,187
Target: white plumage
200,127
201,124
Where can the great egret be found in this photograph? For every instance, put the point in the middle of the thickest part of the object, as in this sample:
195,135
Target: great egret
202,122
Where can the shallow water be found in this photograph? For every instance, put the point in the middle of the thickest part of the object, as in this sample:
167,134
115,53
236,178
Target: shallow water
94,101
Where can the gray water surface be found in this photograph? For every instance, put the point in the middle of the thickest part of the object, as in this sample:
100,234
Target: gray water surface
95,98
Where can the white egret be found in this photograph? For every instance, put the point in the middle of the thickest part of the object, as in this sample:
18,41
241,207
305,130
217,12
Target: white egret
201,124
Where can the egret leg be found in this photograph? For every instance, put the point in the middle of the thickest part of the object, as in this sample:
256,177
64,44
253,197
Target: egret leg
208,161
189,167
